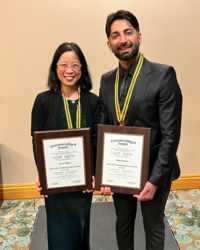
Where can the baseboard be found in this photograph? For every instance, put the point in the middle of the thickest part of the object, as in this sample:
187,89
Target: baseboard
190,181
20,191
28,190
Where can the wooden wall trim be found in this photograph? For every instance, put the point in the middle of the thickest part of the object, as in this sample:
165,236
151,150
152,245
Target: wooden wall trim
19,191
191,181
28,190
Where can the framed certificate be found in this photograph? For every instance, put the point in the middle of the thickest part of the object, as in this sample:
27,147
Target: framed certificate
64,160
122,161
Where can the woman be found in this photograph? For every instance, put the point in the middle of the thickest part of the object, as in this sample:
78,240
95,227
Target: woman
69,82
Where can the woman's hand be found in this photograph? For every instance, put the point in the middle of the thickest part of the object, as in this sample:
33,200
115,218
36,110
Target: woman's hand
93,186
38,188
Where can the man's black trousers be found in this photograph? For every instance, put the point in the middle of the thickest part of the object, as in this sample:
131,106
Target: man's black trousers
153,215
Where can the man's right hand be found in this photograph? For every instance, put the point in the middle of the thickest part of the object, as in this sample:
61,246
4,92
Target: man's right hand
105,191
38,188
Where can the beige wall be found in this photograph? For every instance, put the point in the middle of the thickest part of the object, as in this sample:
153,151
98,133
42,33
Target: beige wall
31,31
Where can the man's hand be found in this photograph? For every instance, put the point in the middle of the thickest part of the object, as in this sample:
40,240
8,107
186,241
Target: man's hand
147,193
38,188
93,186
105,191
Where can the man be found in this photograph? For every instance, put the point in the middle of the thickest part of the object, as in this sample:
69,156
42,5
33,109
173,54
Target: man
156,102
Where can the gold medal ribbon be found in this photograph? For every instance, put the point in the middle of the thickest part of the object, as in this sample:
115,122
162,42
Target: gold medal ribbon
78,111
121,115
68,115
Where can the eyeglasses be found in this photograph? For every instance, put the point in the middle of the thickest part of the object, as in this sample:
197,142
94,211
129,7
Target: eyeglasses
74,66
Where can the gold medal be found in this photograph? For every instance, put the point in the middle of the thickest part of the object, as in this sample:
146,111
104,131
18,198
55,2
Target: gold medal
121,115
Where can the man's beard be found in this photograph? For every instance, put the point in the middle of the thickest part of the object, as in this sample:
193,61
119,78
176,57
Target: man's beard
127,56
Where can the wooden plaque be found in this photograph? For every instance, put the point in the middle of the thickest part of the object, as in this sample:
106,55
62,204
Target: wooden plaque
122,161
64,160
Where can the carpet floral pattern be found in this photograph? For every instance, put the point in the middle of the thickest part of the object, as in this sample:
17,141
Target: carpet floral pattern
16,223
182,212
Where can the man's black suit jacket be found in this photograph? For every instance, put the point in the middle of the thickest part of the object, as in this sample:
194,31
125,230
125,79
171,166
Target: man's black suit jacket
156,103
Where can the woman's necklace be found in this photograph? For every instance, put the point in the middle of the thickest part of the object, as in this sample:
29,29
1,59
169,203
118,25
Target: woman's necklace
67,111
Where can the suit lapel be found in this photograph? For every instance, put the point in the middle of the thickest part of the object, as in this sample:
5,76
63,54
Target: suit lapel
87,109
57,107
111,97
138,93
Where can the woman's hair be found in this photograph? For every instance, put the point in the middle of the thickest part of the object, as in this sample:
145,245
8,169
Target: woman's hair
53,80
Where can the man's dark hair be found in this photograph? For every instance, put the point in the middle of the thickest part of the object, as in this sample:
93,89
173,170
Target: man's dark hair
120,15
53,80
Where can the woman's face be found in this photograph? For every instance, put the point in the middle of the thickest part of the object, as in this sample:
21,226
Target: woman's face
69,69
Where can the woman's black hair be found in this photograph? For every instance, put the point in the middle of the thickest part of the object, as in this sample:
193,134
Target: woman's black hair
53,80
120,15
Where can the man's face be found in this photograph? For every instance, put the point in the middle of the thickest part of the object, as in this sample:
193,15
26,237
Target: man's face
124,40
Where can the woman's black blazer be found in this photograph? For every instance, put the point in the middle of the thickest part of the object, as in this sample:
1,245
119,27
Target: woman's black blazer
46,115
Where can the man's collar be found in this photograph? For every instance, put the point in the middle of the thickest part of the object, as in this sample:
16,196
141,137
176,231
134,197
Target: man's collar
130,70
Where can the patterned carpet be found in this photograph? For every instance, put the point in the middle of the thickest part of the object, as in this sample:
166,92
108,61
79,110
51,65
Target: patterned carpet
182,211
183,214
